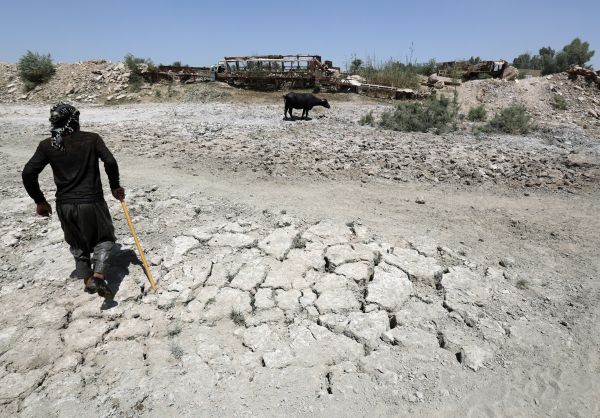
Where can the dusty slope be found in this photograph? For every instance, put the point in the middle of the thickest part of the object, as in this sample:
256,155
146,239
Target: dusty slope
533,322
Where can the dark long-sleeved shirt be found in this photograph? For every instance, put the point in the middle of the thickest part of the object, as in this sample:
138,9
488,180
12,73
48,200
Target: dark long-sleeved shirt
76,169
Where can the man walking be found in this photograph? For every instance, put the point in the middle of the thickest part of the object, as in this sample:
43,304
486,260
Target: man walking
73,155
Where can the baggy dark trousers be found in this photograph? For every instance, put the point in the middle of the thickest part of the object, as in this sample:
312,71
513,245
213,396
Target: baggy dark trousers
88,230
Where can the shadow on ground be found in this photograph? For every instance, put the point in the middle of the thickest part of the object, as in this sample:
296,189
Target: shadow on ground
120,260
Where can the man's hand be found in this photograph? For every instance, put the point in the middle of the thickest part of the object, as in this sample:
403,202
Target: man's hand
43,209
119,193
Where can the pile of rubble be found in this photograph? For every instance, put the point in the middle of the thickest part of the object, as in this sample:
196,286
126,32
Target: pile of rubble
88,82
537,94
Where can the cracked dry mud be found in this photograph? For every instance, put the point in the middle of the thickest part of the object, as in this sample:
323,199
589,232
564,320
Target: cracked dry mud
277,299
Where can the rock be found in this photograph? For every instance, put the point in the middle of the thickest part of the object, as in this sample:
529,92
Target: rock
279,242
507,262
420,201
232,240
390,287
510,73
474,357
418,267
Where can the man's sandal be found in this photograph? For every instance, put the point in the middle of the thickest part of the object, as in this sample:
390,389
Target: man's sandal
96,285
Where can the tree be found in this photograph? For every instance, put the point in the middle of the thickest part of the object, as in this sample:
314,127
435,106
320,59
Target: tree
35,69
547,60
355,65
577,52
523,61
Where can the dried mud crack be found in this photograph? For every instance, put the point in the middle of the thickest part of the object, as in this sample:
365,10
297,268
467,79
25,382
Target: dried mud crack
289,293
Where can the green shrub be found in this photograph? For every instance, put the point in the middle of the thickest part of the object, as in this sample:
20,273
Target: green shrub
559,102
35,69
136,66
514,119
477,114
437,115
367,119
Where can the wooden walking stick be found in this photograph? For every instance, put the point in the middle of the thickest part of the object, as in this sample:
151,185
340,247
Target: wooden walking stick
138,245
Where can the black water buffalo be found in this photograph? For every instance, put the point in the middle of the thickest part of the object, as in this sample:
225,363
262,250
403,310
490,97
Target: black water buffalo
304,101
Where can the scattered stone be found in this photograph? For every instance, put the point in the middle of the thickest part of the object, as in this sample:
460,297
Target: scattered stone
474,357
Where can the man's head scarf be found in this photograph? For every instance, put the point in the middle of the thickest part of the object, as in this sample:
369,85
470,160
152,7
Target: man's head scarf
65,120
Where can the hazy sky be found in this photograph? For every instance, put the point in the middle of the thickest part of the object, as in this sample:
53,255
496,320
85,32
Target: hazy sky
200,33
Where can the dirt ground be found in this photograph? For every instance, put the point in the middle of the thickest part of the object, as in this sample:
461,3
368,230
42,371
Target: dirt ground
309,268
